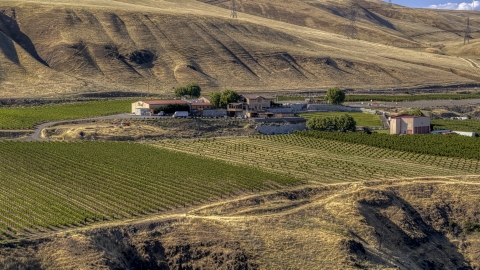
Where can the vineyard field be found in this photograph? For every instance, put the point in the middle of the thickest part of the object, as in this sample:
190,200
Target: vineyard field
430,144
325,161
58,185
390,98
362,119
401,98
28,117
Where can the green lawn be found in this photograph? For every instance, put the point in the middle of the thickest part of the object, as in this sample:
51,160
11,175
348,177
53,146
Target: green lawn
362,119
28,117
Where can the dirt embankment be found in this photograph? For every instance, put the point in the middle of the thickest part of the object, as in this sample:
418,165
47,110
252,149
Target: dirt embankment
417,224
149,129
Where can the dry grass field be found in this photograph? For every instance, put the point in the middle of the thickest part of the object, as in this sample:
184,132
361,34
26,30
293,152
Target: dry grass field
59,47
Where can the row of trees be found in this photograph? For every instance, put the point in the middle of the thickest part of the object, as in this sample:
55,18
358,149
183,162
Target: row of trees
221,99
342,123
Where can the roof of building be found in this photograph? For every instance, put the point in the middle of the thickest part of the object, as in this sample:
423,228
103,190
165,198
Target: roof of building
254,96
200,104
407,116
164,102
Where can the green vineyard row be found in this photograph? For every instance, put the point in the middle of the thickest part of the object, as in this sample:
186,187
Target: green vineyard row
324,161
436,145
46,185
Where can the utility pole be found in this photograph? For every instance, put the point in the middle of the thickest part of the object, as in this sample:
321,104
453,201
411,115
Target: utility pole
466,34
351,28
233,13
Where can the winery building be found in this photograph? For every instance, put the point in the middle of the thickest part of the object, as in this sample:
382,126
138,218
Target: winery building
409,124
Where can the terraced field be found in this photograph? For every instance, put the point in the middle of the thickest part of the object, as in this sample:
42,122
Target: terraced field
324,161
60,185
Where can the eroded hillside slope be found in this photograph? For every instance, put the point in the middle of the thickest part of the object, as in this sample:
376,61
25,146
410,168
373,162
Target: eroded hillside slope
376,20
50,48
409,224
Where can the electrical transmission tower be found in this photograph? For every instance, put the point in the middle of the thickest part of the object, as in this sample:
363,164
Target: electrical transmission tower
351,28
390,3
233,14
467,32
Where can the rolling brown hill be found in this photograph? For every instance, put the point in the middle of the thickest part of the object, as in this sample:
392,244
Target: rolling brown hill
53,48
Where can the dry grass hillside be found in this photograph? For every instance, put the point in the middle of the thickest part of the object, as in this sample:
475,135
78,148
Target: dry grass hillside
52,48
408,224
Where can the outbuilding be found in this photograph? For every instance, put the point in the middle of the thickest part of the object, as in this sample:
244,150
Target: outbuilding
200,106
409,124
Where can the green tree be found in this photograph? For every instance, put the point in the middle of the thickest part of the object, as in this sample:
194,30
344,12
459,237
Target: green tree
221,99
215,98
194,90
346,123
335,96
229,96
181,91
191,90
321,123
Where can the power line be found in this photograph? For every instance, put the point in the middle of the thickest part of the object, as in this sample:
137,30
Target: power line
233,13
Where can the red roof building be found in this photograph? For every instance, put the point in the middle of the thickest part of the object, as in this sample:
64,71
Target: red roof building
164,102
153,104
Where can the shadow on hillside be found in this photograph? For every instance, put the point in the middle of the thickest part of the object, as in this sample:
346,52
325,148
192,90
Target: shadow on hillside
9,26
401,232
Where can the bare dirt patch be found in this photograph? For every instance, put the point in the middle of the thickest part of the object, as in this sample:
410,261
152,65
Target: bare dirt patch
157,129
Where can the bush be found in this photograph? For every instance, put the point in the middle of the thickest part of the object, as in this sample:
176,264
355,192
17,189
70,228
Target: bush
343,123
